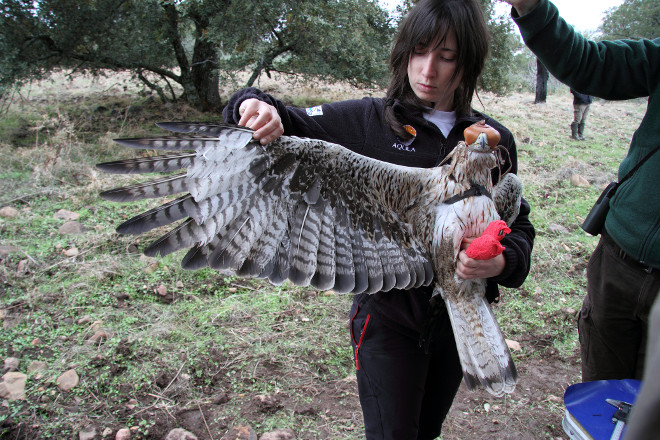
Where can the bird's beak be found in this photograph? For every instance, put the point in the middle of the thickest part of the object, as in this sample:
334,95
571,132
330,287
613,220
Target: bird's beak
482,141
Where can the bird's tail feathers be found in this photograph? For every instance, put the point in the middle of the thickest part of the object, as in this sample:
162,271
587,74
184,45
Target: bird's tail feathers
484,355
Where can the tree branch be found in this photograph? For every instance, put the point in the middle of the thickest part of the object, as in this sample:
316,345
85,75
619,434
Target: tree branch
169,86
152,86
266,62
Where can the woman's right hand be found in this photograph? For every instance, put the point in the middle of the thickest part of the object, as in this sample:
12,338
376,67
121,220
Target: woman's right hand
262,118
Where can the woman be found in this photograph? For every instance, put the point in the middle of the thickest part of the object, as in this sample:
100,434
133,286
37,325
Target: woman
408,369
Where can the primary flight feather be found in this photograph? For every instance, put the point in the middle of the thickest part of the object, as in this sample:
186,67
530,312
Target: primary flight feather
317,214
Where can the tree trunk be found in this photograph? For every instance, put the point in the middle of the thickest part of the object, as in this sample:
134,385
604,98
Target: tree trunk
542,76
205,74
256,72
189,90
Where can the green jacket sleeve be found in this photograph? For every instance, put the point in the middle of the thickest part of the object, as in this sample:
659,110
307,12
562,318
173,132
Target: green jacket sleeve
614,70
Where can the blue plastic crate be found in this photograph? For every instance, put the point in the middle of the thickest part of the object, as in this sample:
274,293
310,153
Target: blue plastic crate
588,415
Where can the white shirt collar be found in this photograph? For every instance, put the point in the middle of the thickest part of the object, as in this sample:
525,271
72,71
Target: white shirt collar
443,120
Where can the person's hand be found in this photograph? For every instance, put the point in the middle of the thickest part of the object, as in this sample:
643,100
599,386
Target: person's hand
262,118
469,268
522,6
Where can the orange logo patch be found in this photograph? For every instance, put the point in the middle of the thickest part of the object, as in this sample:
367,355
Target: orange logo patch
410,129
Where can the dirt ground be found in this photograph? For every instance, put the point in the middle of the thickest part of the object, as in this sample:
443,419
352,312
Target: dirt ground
533,411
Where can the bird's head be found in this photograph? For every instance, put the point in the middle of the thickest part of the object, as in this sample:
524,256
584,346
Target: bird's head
478,154
481,137
472,159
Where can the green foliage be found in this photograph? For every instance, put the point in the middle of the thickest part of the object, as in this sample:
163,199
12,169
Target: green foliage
182,49
37,36
503,44
345,40
633,19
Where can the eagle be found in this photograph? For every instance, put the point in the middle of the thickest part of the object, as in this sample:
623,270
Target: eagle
316,213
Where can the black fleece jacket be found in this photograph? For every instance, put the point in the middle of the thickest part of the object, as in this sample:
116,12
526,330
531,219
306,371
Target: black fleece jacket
360,126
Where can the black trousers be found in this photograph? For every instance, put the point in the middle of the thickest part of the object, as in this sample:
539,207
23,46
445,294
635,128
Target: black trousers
614,319
405,392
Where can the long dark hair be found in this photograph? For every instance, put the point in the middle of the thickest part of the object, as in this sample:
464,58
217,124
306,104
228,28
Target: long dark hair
429,21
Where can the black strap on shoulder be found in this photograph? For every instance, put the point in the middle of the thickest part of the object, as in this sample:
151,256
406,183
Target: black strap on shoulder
616,185
639,164
474,191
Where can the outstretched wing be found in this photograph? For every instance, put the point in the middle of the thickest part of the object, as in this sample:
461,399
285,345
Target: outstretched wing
298,209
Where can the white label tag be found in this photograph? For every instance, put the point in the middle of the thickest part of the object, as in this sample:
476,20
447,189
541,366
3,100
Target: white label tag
315,111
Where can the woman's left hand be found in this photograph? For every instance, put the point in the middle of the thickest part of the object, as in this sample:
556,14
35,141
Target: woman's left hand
469,268
262,118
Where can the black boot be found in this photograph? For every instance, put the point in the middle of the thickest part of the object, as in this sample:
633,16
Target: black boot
580,131
574,131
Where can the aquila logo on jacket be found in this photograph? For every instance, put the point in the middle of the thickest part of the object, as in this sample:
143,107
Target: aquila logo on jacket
405,145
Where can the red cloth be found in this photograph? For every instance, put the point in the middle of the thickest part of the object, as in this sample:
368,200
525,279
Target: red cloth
488,245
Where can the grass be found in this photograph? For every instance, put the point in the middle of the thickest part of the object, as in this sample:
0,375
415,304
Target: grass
208,333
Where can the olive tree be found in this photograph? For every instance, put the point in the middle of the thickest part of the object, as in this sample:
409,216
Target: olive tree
633,19
190,42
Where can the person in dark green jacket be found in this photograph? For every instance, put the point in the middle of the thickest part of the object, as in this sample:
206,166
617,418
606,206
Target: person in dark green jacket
623,276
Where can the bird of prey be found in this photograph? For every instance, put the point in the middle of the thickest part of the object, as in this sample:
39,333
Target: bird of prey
318,214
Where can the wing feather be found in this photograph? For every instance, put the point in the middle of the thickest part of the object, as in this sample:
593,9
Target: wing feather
384,248
160,216
344,266
154,164
163,187
359,261
324,277
304,237
374,265
506,195
278,267
197,257
259,261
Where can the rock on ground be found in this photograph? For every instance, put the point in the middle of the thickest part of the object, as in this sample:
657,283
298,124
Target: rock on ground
279,434
68,380
180,434
12,386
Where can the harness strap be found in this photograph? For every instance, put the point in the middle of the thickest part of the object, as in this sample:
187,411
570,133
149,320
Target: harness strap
474,191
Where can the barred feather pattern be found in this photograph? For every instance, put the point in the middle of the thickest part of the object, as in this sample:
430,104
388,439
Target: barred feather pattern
317,214
506,196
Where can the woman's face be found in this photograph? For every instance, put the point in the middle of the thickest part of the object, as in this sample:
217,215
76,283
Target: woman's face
430,70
